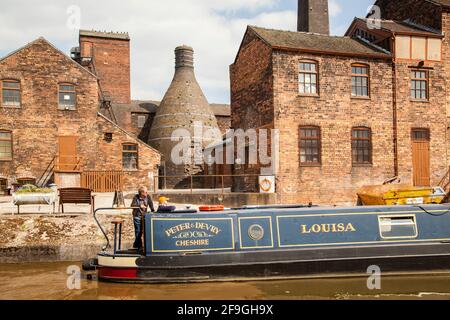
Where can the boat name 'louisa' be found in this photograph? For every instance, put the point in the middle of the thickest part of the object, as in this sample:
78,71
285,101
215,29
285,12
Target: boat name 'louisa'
328,228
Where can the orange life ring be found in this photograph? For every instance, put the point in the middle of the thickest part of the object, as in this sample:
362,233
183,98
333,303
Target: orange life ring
211,208
268,186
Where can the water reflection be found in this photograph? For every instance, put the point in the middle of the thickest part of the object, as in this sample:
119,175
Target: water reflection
49,281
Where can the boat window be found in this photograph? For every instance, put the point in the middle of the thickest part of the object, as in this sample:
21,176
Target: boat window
398,227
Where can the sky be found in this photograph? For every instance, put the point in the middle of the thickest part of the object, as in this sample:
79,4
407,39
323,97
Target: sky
214,28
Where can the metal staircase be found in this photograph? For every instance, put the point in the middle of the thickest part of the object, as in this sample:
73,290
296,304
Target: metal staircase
47,175
445,184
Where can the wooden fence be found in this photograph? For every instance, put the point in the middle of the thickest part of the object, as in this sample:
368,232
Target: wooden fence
102,181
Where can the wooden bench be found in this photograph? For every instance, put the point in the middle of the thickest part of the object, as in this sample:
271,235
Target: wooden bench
76,196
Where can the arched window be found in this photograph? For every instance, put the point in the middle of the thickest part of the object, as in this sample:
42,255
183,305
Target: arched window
11,93
6,152
310,146
308,78
130,156
362,146
360,80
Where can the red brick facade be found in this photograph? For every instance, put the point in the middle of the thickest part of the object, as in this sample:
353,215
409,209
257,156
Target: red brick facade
110,56
265,92
39,122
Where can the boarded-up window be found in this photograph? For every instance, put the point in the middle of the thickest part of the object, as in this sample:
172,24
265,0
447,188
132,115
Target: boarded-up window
403,47
418,48
434,49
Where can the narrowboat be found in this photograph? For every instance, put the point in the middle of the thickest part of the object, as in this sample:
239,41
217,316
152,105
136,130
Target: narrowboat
267,243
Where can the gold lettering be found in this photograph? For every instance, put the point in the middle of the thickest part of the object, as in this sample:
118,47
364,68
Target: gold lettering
328,228
304,230
350,228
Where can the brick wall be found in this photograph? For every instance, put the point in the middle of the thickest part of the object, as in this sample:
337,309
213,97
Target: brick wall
428,115
251,99
37,125
110,156
112,66
336,113
446,57
252,85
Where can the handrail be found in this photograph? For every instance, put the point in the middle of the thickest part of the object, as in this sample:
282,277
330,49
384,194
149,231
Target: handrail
47,172
445,182
108,245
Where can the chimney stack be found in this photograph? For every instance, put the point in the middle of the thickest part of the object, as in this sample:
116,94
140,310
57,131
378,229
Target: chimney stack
184,57
313,16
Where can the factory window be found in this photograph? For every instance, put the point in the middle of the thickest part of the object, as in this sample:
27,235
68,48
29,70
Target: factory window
67,97
308,77
360,80
310,146
141,120
419,85
361,146
130,156
11,93
5,146
3,186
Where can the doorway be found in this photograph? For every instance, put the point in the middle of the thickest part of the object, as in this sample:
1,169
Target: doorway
421,157
67,154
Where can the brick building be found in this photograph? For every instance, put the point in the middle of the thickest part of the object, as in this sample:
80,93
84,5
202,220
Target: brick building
353,110
52,125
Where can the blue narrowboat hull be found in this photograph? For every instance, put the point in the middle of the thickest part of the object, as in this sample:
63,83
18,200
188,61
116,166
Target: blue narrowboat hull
285,243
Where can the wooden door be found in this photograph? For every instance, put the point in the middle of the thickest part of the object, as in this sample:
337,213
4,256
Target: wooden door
421,157
67,155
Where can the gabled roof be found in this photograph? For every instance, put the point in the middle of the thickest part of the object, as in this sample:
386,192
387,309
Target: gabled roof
102,116
445,3
151,106
45,41
397,27
317,43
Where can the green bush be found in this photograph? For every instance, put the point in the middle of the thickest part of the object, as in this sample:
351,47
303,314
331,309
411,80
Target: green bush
29,188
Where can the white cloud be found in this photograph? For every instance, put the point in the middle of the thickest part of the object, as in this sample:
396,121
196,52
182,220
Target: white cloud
335,8
156,28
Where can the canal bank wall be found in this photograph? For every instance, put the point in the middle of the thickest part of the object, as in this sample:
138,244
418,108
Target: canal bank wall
34,235
43,238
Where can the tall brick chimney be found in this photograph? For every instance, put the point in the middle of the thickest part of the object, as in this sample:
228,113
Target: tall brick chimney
313,16
107,54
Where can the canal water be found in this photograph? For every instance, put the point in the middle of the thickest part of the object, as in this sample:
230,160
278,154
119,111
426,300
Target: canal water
49,282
